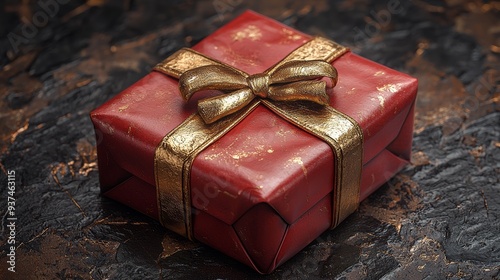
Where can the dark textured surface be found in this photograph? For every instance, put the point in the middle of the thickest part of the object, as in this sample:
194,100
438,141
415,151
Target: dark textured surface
437,219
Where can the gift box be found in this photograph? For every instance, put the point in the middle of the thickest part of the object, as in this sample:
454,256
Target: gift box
250,142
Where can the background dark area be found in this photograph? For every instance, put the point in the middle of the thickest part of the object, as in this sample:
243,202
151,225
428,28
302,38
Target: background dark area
437,219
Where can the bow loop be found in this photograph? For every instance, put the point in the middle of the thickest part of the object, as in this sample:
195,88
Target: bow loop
218,77
290,81
299,70
314,91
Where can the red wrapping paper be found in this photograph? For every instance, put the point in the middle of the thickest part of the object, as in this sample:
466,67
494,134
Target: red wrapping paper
262,192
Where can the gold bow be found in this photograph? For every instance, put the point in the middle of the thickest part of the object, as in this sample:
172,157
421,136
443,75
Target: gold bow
176,152
290,81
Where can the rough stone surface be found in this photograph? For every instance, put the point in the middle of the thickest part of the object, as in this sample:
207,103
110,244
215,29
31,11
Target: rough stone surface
437,219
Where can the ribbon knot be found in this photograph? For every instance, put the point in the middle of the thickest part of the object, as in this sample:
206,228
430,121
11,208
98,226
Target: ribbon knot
259,84
289,81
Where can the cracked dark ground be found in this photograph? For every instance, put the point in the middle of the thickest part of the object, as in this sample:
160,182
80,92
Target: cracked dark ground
437,219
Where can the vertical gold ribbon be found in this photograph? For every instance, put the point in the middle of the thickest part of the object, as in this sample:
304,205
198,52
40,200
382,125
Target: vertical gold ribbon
175,154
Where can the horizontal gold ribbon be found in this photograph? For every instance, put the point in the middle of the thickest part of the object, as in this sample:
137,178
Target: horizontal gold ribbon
275,88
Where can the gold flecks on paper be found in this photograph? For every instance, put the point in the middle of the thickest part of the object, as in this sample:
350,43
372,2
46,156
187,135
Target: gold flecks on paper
250,32
392,88
123,108
298,160
290,36
381,100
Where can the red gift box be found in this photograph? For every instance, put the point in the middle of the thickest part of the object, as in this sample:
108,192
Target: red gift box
263,191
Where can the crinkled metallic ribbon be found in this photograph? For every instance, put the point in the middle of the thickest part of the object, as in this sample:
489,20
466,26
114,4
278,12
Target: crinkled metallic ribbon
178,149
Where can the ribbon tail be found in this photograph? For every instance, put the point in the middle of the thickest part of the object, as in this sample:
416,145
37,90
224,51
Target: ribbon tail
314,91
214,108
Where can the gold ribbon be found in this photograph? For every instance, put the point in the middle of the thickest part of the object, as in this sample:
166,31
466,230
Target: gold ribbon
275,88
